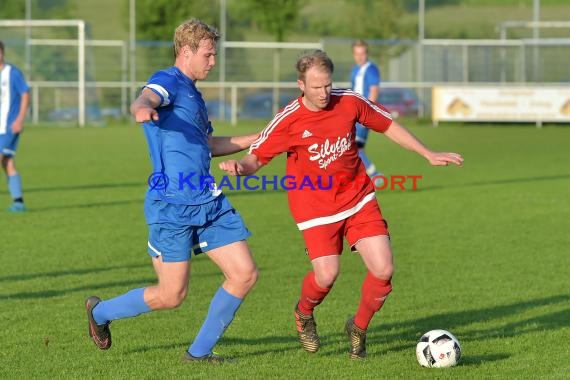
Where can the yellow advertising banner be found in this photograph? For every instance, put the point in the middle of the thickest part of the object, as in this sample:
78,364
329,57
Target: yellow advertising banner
501,104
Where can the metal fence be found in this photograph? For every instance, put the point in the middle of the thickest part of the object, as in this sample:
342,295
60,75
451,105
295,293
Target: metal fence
252,80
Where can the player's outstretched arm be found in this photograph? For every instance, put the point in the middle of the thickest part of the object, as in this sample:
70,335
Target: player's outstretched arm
144,107
406,139
224,145
246,166
18,124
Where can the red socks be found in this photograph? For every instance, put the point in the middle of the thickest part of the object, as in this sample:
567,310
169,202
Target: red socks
374,293
311,294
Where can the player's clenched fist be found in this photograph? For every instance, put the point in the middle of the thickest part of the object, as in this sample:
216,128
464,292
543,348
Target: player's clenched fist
232,167
145,114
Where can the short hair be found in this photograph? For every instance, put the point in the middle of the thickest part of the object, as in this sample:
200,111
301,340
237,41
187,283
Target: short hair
191,32
2,47
360,43
313,58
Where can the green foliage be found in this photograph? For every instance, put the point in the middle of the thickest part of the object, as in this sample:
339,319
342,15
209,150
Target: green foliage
40,9
275,17
364,19
53,63
157,19
52,8
56,64
12,9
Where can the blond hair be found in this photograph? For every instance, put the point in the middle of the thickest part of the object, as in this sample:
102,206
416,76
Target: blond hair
360,43
313,58
191,32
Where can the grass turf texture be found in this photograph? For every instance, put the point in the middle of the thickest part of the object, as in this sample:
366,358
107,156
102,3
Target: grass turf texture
480,251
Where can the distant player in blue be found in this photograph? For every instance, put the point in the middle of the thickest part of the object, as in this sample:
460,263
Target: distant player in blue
365,80
188,213
14,100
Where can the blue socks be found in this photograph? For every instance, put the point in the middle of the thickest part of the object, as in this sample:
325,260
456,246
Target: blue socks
15,186
370,168
220,314
127,305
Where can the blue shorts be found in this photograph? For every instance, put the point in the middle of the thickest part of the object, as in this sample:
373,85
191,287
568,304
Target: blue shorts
175,231
361,133
9,144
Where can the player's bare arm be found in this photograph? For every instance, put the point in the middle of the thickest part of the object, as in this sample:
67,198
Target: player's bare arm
224,145
406,139
144,107
18,124
246,166
373,93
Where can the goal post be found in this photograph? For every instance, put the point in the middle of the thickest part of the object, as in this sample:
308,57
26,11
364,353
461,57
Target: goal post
80,25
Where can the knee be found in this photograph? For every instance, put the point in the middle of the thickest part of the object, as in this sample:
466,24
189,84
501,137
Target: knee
326,278
244,280
5,161
172,299
384,273
249,278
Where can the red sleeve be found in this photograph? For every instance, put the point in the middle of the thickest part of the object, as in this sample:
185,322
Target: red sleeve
373,115
273,140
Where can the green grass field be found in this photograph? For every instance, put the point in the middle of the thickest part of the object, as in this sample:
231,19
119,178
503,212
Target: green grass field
480,250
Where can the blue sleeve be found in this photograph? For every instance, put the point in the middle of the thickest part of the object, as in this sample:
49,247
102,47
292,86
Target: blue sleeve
19,82
353,75
164,85
373,76
210,128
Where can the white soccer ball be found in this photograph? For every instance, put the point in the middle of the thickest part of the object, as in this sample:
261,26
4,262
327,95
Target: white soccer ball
439,349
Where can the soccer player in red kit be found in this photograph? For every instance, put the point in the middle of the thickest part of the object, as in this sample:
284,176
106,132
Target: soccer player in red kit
337,199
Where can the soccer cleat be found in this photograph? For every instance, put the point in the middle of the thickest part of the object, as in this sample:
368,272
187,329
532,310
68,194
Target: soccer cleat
357,339
307,331
101,334
17,207
210,358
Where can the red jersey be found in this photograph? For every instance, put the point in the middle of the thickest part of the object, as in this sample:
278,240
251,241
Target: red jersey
327,181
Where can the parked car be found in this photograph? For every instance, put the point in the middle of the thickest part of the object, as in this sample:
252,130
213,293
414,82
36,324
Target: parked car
213,107
71,114
112,113
399,101
259,105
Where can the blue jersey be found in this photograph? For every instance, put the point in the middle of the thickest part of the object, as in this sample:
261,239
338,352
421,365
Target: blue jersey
178,141
12,86
362,77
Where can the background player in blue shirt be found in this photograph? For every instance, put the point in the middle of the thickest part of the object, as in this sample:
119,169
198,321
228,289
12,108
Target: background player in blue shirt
14,100
365,80
187,213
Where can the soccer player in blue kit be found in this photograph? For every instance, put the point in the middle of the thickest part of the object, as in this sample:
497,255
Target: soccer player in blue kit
14,100
188,214
365,80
